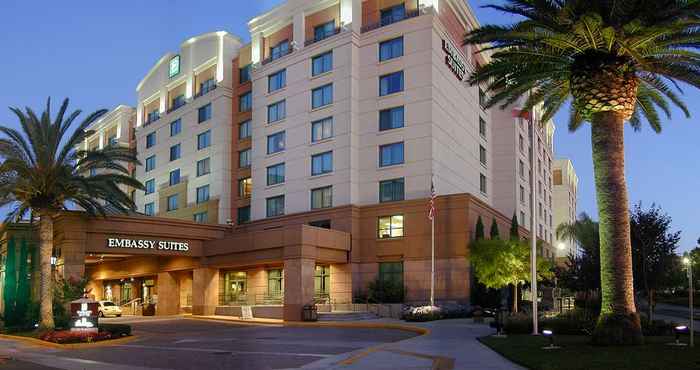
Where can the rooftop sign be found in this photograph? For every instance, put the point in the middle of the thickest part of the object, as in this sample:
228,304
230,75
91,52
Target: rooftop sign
162,245
174,66
454,60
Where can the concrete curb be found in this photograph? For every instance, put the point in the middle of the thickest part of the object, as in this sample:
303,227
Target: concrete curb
42,343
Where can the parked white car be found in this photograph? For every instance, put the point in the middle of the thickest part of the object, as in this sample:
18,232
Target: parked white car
108,308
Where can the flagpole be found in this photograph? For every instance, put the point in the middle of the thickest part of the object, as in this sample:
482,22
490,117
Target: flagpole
533,230
432,261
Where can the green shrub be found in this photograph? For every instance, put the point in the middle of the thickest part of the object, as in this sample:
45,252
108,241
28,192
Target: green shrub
565,324
379,291
656,327
116,330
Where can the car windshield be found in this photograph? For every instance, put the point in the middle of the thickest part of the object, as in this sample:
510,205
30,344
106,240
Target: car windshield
108,304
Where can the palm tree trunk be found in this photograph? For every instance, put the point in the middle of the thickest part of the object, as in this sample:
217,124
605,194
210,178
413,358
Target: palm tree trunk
46,289
618,322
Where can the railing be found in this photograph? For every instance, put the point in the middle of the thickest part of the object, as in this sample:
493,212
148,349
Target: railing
250,300
204,91
323,37
273,58
176,106
151,119
390,20
131,305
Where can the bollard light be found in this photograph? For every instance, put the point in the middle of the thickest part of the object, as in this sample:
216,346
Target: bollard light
550,335
678,330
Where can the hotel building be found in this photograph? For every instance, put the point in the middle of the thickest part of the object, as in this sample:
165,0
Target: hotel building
565,194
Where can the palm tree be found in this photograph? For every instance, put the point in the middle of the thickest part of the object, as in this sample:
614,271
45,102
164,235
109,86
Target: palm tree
618,60
42,174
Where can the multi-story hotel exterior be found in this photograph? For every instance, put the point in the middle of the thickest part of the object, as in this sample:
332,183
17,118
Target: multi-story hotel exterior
565,195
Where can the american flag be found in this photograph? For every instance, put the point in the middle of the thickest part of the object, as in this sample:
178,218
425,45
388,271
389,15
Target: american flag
431,210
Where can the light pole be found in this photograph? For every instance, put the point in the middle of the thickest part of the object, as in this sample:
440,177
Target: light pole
689,263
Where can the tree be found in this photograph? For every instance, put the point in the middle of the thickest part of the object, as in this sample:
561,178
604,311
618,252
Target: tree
514,228
42,172
479,233
617,60
10,285
494,233
583,269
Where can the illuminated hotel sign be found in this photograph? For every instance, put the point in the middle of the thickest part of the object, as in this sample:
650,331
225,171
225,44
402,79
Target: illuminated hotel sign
84,315
174,67
454,60
162,245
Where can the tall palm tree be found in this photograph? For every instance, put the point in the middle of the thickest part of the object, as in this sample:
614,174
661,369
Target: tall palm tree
42,173
619,61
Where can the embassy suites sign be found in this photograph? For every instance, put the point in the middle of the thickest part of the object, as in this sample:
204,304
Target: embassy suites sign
454,60
161,245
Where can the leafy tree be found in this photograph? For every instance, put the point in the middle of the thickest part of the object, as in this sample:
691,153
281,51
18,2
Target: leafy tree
494,233
514,229
479,233
42,172
10,285
618,61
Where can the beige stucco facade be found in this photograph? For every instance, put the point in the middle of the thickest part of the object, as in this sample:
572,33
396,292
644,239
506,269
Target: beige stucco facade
565,194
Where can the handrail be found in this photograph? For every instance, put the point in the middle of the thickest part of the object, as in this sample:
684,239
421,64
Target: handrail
131,302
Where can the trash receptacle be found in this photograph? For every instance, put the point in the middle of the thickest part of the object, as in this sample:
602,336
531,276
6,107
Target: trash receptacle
309,313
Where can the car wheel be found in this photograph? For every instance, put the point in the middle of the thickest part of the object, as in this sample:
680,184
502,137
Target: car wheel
119,315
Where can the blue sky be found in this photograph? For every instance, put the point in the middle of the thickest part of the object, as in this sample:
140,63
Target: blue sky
95,52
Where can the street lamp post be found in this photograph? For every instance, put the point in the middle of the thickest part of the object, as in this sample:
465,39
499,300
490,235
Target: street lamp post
689,263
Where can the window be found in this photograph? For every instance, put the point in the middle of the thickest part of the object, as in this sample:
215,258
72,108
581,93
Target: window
175,152
321,163
521,143
204,140
245,102
206,86
244,130
177,102
322,63
322,281
150,139
202,194
175,127
322,197
277,80
321,96
322,129
522,218
482,98
391,273
324,30
200,217
149,209
392,14
521,168
482,183
391,83
391,118
276,111
174,177
279,50
203,167
245,187
244,74
275,206
275,174
243,215
482,127
244,158
234,290
93,171
522,194
172,202
275,142
482,155
153,115
150,186
325,224
390,226
391,190
275,283
150,163
391,49
390,154
204,113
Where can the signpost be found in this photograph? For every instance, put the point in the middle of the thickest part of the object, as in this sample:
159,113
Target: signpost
84,315
246,313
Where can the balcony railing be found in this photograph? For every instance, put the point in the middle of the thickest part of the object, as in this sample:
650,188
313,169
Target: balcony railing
390,20
205,90
151,118
176,105
322,37
275,57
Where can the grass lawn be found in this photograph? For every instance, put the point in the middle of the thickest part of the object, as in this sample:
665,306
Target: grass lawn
576,353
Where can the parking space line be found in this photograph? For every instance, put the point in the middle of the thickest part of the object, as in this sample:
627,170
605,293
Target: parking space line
164,348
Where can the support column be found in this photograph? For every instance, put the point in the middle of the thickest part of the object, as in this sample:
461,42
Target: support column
351,14
168,291
256,45
299,29
205,291
298,286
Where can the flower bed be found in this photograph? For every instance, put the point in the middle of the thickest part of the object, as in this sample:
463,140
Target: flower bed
66,336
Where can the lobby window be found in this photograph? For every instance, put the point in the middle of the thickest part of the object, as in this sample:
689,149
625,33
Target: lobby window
175,152
275,283
200,217
150,139
174,177
150,163
391,190
482,155
244,158
203,194
392,14
322,197
234,288
391,118
321,96
149,186
245,102
204,113
243,215
390,154
149,209
482,183
277,111
275,174
244,130
390,226
322,129
245,187
203,167
324,30
279,50
244,73
391,83
275,206
391,49
322,281
322,63
391,273
175,127
277,81
325,224
482,127
321,163
275,142
172,202
204,140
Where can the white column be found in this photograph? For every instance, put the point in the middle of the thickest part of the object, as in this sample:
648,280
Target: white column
299,29
351,14
256,41
102,139
119,130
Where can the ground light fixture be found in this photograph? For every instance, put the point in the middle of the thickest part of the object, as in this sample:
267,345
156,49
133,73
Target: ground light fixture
691,308
678,330
549,334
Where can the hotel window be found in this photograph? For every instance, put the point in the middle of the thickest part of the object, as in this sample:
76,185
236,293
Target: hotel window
390,226
175,127
390,154
275,206
154,115
391,49
175,152
521,143
275,174
482,98
279,50
206,86
275,282
244,158
322,197
275,142
202,194
521,168
245,187
277,81
244,130
391,83
244,74
522,194
540,209
150,163
276,111
172,202
234,284
203,167
245,102
112,141
321,96
200,217
149,209
482,155
204,113
482,127
482,183
322,63
391,190
93,171
177,102
391,273
522,218
243,215
392,14
322,129
174,177
149,186
204,140
322,281
391,118
321,163
324,30
150,139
